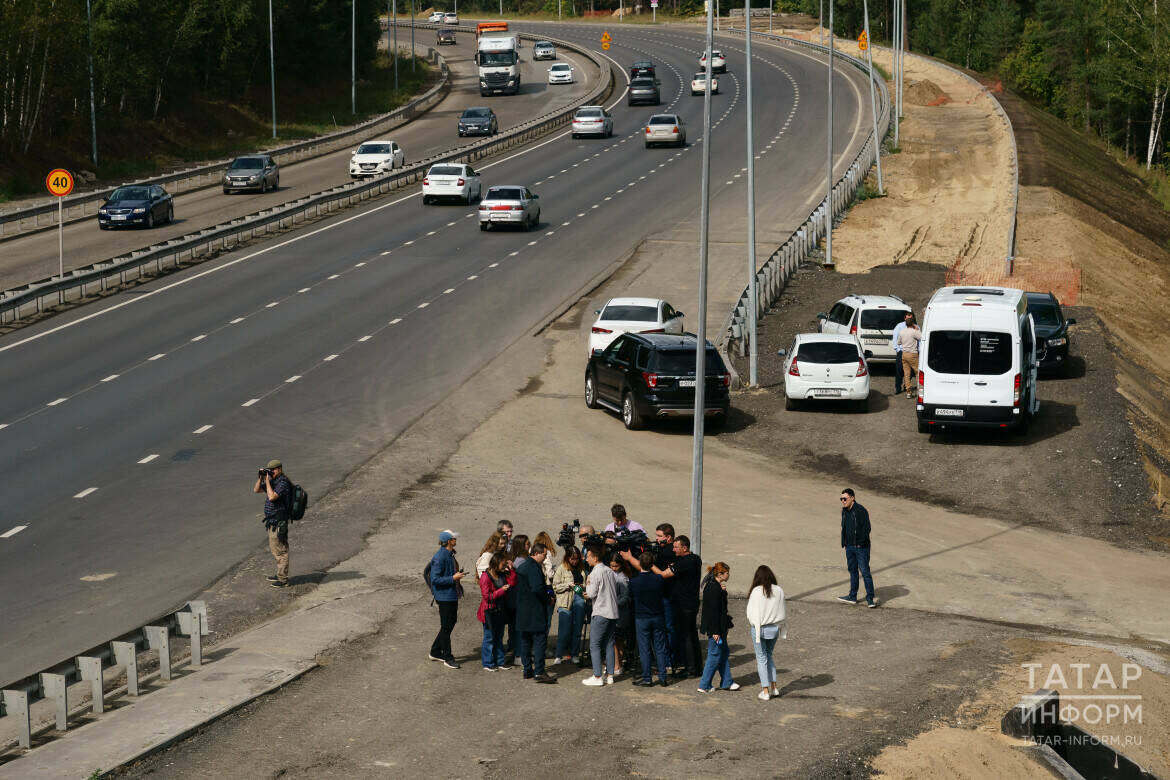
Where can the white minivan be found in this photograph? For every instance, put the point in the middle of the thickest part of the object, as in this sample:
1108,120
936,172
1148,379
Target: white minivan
977,360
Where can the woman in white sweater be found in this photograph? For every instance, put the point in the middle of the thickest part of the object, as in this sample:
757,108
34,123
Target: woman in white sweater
769,621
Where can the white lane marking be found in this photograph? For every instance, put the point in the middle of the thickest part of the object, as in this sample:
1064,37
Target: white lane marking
274,303
396,320
595,206
3,426
102,577
110,378
581,214
364,339
531,243
493,265
549,233
432,232
292,379
85,492
156,357
304,289
510,254
203,429
236,321
472,278
450,224
358,265
619,192
609,197
200,337
58,401
424,304
407,243
148,458
334,276
472,214
566,224
13,531
448,291
327,358
250,402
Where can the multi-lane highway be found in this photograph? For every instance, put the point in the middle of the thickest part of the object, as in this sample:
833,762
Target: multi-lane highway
132,428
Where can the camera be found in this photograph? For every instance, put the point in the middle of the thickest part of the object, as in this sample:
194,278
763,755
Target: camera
265,473
635,542
567,537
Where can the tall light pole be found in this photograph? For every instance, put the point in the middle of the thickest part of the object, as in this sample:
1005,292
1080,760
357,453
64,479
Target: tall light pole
701,340
353,57
753,302
412,57
92,102
394,54
272,67
895,104
877,142
821,23
829,136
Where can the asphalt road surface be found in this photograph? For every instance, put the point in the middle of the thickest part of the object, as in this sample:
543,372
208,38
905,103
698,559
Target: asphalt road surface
130,443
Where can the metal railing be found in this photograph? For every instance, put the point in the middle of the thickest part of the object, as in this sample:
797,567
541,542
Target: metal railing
26,297
22,221
53,683
772,277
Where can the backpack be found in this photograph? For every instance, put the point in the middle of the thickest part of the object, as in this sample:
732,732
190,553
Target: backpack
427,575
298,502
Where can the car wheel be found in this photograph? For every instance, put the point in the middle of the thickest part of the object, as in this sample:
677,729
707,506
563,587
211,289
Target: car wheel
103,227
591,391
1021,427
276,184
791,404
226,191
630,416
647,144
170,214
862,405
484,226
149,220
426,200
717,422
263,186
923,427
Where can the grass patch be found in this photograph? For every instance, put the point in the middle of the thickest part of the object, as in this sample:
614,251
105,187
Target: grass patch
867,190
885,73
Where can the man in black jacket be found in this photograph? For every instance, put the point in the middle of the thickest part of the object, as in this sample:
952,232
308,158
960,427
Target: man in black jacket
855,540
532,614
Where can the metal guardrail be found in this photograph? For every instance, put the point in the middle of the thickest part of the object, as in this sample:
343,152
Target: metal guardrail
53,683
84,205
33,295
783,262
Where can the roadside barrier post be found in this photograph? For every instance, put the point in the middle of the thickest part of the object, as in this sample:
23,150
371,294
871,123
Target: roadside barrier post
90,669
16,706
54,687
126,654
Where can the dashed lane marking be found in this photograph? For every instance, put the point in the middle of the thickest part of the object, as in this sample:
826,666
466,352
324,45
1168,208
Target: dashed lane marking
13,531
156,357
203,429
292,379
86,492
200,337
327,358
250,402
148,458
58,401
110,378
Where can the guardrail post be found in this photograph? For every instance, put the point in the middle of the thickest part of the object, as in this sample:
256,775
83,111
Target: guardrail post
126,654
193,623
158,638
90,668
55,688
16,706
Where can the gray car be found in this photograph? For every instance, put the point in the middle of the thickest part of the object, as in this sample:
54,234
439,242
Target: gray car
644,90
543,50
509,204
478,120
251,172
666,129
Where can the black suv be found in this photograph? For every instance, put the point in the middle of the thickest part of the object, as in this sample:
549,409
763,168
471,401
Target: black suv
644,375
644,90
1052,338
642,68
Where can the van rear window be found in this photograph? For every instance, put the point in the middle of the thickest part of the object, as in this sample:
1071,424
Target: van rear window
991,353
983,353
827,352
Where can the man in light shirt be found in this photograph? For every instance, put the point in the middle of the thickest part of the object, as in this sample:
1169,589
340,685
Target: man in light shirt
908,339
621,524
601,590
898,352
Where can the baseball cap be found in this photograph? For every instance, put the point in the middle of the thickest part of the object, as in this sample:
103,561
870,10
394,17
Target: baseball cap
446,536
274,464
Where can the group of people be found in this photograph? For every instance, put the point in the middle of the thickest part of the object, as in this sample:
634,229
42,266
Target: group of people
624,593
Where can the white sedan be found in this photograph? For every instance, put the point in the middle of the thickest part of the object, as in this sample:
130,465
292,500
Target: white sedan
451,180
718,61
825,366
633,315
374,158
560,73
699,84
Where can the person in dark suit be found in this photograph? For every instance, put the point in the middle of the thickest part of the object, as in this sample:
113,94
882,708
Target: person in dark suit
532,614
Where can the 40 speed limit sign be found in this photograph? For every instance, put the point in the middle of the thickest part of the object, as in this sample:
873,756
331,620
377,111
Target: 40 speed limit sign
60,182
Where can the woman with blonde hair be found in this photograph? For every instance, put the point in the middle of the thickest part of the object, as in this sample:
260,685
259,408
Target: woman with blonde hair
495,543
715,623
569,589
769,621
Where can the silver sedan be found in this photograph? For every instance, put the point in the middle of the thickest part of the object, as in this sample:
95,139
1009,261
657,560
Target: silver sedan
666,129
509,204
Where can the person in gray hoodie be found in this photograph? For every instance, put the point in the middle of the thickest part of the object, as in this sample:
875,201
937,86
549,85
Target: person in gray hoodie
601,589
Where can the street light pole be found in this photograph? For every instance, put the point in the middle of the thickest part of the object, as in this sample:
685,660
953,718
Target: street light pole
829,135
412,57
394,12
821,23
353,57
877,142
272,66
753,293
92,103
701,340
895,104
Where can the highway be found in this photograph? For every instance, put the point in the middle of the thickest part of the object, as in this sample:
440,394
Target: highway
129,449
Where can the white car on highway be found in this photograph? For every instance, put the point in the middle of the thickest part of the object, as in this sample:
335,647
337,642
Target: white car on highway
436,16
825,366
718,61
560,73
509,204
451,181
374,158
699,84
633,315
450,18
592,120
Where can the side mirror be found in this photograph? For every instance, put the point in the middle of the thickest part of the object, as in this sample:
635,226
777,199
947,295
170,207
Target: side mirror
679,314
781,352
535,196
868,354
1071,321
597,311
822,316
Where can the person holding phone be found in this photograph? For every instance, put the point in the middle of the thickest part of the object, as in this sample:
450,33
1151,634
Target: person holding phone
445,575
715,623
494,586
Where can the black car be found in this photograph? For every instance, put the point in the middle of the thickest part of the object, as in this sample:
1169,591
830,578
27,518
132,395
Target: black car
445,36
140,204
478,121
645,375
1052,337
644,90
642,68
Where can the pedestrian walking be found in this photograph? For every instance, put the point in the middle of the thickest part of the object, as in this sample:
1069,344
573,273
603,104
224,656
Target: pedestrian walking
647,592
908,340
855,530
569,589
532,614
277,490
494,586
716,623
445,575
495,543
768,621
601,589
898,351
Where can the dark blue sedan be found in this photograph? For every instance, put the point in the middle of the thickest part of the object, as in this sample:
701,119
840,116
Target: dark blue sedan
144,205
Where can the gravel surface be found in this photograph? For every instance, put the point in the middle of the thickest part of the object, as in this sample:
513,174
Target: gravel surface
1077,469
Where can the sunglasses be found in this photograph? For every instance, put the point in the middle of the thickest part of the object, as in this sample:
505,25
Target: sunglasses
844,498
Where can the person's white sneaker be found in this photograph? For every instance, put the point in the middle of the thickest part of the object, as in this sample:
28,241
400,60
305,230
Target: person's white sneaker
732,687
554,662
617,671
775,692
593,681
764,695
609,679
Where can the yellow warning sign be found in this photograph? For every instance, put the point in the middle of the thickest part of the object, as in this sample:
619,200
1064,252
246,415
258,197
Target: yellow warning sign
605,37
605,45
863,41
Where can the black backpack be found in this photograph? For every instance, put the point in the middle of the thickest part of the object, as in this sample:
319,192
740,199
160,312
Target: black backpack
298,502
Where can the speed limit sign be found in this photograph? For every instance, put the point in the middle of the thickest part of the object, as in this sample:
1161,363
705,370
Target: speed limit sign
60,182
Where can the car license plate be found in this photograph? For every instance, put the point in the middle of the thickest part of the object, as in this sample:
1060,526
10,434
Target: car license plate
499,218
948,412
118,216
869,340
686,383
827,392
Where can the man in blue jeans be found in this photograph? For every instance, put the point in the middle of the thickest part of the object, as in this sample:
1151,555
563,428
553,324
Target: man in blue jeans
647,588
601,589
855,540
532,614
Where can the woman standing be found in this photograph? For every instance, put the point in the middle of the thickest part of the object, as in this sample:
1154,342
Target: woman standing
625,621
769,621
715,623
550,567
497,542
494,586
569,588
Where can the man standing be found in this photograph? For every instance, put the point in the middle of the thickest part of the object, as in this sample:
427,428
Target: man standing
855,540
601,589
505,527
621,524
663,558
278,496
648,592
908,340
445,576
684,575
532,614
898,352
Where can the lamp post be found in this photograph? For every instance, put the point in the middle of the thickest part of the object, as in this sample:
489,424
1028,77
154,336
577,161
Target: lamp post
272,66
829,142
394,51
92,103
353,57
877,142
753,304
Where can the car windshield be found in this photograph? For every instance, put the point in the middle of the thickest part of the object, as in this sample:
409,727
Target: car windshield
544,45
477,113
374,149
642,83
826,352
628,313
497,58
247,162
505,193
700,77
1045,315
130,193
445,170
681,362
560,67
589,113
662,120
881,319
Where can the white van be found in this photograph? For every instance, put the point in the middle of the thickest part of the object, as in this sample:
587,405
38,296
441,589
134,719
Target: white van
977,360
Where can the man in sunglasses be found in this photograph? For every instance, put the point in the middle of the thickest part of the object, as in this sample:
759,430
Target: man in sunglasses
855,540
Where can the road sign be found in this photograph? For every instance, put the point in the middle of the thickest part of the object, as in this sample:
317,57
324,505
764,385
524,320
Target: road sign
653,3
60,182
605,37
863,41
605,45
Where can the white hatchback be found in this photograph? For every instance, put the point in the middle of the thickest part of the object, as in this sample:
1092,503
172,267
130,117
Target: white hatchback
822,366
592,120
436,16
718,61
451,180
561,73
633,315
699,84
872,318
450,18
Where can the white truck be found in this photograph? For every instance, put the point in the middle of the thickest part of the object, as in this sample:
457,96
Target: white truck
499,65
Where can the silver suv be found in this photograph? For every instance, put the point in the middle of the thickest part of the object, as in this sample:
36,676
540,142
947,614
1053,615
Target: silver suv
872,318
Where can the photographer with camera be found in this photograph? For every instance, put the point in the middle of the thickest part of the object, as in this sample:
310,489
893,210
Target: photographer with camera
663,557
621,524
684,604
277,490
